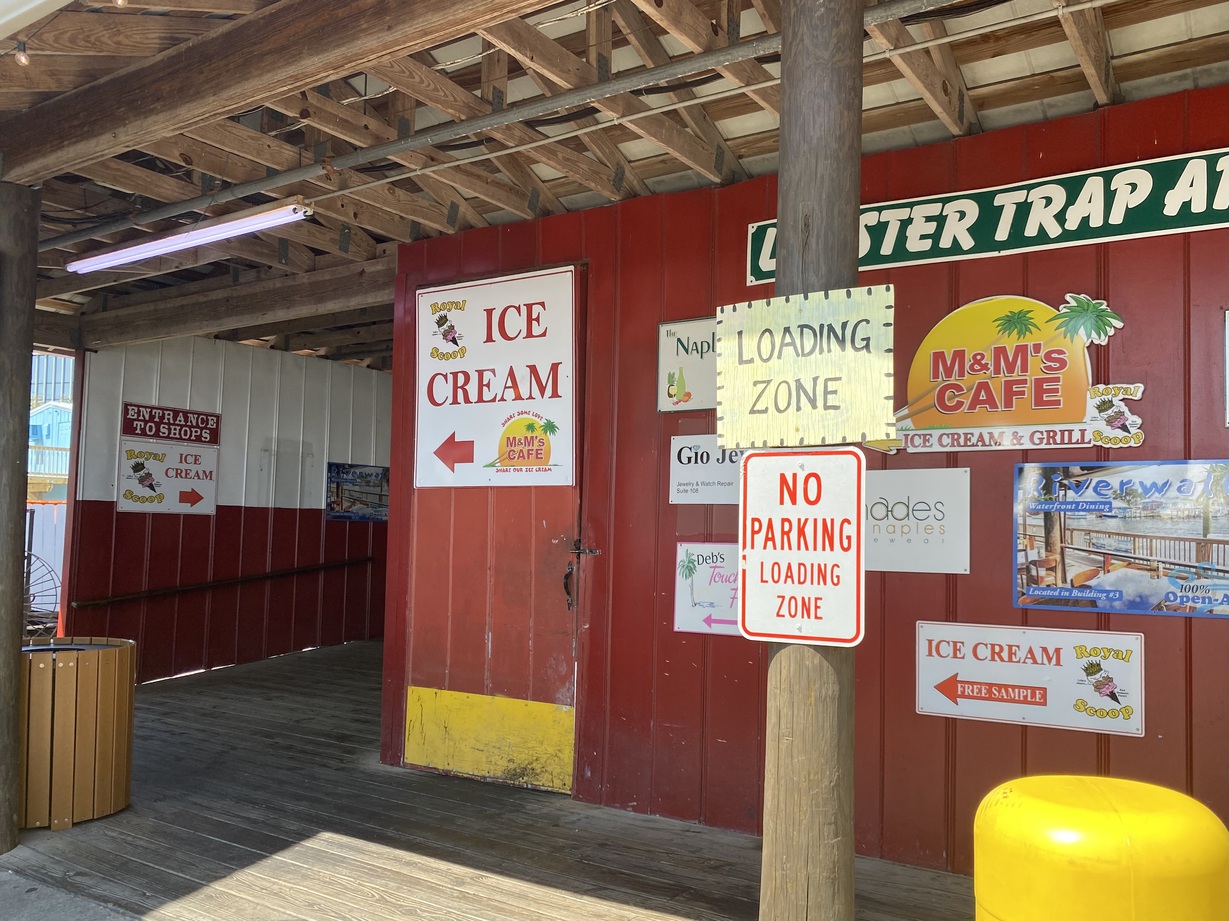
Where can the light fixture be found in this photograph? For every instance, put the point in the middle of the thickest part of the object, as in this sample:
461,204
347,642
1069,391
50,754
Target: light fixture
120,2
21,56
275,214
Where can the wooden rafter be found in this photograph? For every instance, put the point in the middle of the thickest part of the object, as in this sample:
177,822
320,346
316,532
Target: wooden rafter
107,33
326,291
945,60
417,78
262,56
540,53
359,317
699,33
944,93
635,28
1086,31
366,130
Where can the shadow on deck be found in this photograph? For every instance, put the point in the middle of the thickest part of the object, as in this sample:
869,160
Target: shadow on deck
257,794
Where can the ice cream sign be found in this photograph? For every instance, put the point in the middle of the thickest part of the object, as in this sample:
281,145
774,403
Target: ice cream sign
1012,373
495,390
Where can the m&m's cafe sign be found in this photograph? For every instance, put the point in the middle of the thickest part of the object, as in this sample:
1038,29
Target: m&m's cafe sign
1012,373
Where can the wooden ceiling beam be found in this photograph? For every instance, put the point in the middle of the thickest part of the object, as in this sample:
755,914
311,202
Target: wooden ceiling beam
1085,30
112,33
770,13
418,79
226,277
535,50
949,67
225,7
294,297
363,315
343,238
55,73
366,130
385,210
699,33
635,27
262,56
945,96
56,330
372,332
159,265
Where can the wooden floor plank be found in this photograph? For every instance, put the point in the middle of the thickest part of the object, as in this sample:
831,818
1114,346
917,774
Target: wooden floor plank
257,795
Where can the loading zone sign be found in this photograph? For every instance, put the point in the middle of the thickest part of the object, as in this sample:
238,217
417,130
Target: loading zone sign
800,547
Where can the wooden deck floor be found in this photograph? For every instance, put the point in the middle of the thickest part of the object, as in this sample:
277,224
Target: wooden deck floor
257,796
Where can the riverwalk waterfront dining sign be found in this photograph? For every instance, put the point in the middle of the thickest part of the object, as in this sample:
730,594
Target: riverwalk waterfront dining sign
1012,373
1170,195
1127,538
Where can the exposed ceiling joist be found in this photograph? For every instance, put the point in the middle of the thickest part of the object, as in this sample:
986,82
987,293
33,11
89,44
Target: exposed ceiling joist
1085,30
272,52
943,93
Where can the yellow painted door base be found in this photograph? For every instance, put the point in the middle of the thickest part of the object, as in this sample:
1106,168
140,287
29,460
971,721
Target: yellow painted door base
524,742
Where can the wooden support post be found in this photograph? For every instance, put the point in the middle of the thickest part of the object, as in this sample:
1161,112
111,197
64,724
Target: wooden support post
808,774
18,268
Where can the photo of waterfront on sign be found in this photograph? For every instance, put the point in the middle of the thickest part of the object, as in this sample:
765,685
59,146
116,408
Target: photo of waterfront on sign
1130,538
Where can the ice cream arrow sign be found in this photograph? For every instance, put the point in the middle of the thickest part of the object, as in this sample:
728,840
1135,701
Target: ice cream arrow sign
452,452
189,497
709,620
954,689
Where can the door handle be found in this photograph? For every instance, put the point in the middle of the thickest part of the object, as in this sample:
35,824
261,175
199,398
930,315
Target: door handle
567,584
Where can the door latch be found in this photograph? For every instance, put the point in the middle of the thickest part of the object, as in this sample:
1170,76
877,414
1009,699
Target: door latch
583,551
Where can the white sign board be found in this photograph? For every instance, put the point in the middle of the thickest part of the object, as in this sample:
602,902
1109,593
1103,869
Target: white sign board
917,520
810,369
800,546
687,365
495,388
701,473
167,476
1065,679
706,589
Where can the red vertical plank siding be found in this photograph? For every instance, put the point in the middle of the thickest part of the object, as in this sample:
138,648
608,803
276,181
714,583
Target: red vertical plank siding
552,627
674,723
253,596
358,583
378,536
192,613
333,583
471,527
735,670
591,236
511,582
633,554
92,547
283,546
224,602
679,666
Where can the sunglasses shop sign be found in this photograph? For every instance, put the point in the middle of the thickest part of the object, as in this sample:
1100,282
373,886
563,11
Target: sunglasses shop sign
914,520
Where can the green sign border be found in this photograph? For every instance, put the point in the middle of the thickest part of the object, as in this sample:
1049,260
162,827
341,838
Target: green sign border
1021,217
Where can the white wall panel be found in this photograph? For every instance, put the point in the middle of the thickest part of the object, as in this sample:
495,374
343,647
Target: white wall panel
236,383
283,416
288,448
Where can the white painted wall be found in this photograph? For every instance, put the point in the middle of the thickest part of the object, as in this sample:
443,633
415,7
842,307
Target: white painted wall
283,416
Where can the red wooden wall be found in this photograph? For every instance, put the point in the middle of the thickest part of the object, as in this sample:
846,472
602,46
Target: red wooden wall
119,554
673,724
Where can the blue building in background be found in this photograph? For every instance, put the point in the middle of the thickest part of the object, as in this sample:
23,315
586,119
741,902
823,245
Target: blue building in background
51,427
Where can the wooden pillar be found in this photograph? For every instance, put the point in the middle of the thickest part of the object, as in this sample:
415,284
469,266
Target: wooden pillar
18,265
808,774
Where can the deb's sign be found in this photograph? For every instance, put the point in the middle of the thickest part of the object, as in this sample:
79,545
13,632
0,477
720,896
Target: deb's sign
170,423
1066,679
808,369
1012,373
800,547
495,389
159,476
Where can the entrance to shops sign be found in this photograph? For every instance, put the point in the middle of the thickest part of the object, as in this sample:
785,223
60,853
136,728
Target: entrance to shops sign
1154,197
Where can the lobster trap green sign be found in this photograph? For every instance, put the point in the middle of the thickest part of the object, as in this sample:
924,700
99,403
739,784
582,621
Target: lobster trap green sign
1170,195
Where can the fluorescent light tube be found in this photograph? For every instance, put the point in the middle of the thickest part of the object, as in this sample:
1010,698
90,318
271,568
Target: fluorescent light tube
207,231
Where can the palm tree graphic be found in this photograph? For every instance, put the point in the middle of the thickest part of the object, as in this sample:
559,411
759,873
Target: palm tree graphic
1081,315
531,427
549,428
687,570
1018,323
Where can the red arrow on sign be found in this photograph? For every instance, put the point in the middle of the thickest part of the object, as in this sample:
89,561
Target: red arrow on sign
189,497
453,452
955,689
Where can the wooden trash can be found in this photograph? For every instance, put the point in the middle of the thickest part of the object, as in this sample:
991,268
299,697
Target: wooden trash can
76,729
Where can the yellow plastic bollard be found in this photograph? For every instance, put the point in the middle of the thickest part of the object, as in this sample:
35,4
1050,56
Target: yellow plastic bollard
1054,848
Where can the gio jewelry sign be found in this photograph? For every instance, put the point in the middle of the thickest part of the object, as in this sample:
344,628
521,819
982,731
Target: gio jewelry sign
1169,195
